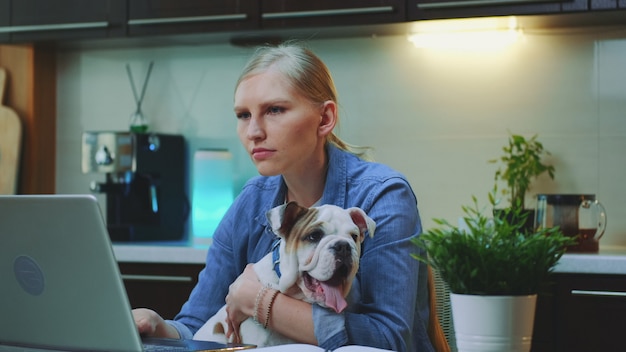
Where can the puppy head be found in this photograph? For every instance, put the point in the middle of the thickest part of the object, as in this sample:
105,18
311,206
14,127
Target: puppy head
320,249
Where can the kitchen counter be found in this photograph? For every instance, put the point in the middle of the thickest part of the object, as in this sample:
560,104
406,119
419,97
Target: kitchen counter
170,252
610,260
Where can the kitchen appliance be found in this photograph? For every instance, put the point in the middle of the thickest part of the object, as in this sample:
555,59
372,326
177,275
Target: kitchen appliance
144,186
212,192
577,215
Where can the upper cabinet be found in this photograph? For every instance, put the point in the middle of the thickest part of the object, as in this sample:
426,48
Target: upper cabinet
164,17
440,9
61,20
41,20
293,14
5,20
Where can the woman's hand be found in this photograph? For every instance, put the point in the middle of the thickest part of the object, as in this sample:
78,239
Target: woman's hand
150,324
240,301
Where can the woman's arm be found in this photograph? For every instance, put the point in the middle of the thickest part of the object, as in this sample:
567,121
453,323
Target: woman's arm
288,316
293,318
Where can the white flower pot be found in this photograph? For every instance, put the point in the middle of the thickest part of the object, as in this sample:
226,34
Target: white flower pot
493,323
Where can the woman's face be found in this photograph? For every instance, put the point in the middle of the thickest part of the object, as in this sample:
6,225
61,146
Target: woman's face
283,131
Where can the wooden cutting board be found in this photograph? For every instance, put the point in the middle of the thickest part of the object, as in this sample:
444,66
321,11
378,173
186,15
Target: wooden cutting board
10,143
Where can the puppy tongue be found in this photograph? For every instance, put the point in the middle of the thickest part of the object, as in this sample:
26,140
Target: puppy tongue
333,298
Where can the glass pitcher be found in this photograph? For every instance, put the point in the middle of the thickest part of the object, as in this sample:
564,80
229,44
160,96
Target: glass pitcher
577,215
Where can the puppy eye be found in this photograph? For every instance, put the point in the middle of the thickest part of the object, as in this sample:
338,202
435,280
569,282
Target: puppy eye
355,237
315,236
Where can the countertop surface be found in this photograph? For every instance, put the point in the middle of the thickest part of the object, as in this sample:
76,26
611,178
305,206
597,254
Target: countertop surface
610,260
160,252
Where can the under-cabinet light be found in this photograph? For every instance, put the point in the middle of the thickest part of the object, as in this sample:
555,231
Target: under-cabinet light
489,33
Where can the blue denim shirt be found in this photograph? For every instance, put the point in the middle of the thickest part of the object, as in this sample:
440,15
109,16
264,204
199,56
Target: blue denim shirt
389,299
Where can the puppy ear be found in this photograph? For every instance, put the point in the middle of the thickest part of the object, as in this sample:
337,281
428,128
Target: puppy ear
283,217
363,221
275,216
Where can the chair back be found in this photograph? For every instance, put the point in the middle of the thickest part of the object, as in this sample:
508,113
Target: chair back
440,328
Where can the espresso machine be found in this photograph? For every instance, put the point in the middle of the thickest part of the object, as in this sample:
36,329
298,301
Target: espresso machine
144,183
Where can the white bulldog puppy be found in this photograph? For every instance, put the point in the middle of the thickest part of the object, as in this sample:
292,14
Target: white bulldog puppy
315,260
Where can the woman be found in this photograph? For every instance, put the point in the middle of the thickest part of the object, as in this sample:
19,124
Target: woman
286,106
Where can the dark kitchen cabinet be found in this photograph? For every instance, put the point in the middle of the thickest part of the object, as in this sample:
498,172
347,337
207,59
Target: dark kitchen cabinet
44,20
607,4
163,287
5,20
590,312
330,13
584,312
441,9
165,17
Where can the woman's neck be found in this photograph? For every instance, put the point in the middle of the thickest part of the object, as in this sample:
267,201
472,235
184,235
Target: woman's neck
308,187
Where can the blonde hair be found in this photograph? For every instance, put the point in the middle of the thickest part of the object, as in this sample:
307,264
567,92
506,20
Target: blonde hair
307,73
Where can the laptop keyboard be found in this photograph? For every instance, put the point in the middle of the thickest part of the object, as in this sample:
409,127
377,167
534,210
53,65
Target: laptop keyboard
158,348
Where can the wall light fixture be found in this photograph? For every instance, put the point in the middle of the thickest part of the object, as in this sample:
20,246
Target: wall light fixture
473,34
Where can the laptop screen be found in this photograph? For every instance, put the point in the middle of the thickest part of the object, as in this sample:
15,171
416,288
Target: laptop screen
61,286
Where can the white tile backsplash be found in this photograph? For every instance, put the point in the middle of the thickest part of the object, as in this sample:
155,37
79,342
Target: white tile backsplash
436,116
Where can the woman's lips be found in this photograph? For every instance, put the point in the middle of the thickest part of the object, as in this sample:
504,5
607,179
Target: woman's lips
261,153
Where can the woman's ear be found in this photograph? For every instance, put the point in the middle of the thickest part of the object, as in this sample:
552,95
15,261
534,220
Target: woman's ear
328,118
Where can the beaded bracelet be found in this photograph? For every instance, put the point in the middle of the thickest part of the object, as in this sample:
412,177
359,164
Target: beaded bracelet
257,303
269,308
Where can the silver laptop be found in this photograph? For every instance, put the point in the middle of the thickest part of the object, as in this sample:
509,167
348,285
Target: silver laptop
60,286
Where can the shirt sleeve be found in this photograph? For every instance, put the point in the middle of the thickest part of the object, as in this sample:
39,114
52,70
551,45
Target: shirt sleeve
332,331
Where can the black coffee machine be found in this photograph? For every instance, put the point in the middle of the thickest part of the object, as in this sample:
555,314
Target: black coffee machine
145,183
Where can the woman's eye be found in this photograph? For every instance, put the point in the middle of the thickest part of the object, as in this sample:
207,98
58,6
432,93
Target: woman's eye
275,110
243,115
315,236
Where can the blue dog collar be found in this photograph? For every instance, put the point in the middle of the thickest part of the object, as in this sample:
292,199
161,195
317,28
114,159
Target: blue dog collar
276,256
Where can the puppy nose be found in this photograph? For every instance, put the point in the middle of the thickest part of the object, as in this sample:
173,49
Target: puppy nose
342,249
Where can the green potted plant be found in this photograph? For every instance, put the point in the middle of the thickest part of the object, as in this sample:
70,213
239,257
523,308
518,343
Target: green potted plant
522,163
493,262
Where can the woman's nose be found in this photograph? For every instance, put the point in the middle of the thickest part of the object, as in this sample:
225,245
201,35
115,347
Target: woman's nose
255,129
